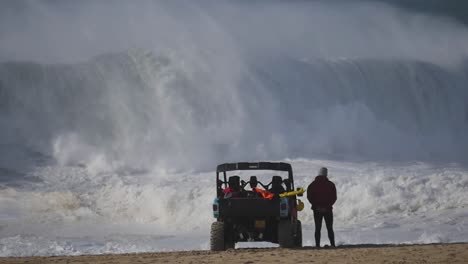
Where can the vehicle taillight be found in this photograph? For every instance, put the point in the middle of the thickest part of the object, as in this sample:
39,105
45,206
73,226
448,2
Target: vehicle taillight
215,207
283,206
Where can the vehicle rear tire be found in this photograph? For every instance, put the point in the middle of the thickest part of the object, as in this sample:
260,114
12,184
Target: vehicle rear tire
217,236
298,237
286,234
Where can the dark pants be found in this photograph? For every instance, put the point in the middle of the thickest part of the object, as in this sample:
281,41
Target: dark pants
318,216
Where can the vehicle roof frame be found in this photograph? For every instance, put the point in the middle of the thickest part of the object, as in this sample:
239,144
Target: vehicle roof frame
263,165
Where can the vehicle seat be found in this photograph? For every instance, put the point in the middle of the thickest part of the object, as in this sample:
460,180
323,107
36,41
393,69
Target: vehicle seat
233,189
234,183
277,185
253,182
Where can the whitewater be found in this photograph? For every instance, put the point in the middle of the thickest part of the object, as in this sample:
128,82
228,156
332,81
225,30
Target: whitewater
110,138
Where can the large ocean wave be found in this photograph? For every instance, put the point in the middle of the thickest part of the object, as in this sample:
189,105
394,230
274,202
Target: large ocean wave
139,110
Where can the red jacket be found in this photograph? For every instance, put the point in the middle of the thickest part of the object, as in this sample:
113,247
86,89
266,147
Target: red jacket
321,193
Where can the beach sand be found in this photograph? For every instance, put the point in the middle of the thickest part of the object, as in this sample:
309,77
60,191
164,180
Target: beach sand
434,253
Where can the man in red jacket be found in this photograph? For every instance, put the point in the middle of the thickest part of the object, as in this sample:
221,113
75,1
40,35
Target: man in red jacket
321,193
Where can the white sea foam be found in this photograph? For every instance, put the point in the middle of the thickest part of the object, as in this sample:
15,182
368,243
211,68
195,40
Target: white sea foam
377,203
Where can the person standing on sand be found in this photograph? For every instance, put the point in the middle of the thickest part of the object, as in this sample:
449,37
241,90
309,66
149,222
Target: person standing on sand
321,193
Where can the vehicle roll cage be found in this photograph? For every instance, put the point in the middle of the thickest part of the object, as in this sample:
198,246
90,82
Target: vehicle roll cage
275,166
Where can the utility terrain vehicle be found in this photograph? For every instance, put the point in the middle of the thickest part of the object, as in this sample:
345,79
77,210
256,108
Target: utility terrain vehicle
252,210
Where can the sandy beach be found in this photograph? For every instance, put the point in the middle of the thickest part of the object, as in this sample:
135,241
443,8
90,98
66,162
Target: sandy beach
434,253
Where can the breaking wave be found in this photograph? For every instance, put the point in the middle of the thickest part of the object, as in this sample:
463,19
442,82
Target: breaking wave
139,110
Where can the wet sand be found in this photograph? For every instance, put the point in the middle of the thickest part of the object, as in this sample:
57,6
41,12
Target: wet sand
434,253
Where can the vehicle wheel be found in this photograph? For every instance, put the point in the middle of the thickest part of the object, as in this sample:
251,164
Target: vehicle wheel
217,236
285,234
298,238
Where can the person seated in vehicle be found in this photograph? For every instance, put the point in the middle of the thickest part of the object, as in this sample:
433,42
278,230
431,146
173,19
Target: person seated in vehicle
234,189
277,185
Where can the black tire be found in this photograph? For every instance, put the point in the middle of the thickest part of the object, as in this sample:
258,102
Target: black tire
298,237
217,236
286,234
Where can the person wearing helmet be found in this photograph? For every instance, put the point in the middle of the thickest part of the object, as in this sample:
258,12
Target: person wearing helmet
321,193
